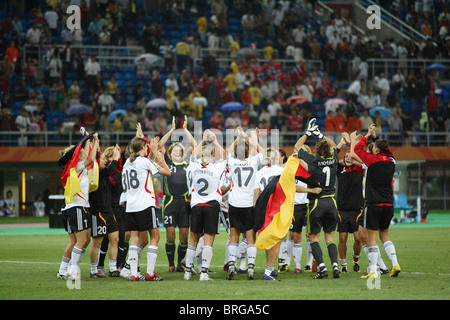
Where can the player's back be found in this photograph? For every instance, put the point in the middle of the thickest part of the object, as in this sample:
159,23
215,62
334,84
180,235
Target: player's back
265,174
205,181
137,183
243,176
324,170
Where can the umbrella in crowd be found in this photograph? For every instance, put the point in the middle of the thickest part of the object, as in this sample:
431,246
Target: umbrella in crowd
113,114
156,103
297,99
437,67
78,109
335,101
151,59
200,101
232,106
385,113
246,52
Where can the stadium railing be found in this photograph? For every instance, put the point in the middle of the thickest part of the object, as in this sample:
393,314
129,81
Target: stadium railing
56,138
105,55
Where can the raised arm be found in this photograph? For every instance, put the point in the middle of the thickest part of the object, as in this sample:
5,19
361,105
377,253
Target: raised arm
166,137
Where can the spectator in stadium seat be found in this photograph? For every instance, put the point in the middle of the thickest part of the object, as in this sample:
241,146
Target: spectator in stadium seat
182,53
340,121
92,69
233,121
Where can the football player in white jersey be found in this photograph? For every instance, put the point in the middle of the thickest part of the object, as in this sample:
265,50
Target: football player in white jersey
76,218
205,176
273,166
244,158
140,201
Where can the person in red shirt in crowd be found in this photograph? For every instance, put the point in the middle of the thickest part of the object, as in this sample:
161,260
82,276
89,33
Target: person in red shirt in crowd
431,104
354,123
340,121
220,83
226,95
13,53
195,82
329,125
245,118
246,97
204,85
295,121
299,71
217,120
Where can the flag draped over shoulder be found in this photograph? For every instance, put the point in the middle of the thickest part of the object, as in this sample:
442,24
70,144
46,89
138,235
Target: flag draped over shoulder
70,179
274,208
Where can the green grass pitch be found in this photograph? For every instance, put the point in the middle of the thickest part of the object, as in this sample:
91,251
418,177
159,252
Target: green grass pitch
29,263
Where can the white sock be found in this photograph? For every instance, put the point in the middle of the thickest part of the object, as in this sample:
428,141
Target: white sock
232,252
289,251
373,258
190,256
242,248
152,254
93,266
390,250
226,252
282,252
297,251
366,250
206,257
112,265
75,259
268,270
133,260
64,265
380,262
251,254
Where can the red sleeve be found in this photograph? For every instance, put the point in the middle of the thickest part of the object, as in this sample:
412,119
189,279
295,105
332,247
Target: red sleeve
365,157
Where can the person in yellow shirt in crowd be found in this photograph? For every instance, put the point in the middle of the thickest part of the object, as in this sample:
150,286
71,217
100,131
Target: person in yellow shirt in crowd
268,51
182,50
231,82
234,67
234,47
202,27
256,95
112,87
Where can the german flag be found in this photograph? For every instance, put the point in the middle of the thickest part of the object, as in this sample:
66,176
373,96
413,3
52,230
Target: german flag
69,177
274,208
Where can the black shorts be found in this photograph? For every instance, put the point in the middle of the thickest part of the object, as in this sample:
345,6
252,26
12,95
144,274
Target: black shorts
76,219
348,220
299,220
378,217
119,213
241,218
174,212
322,213
142,220
103,223
205,218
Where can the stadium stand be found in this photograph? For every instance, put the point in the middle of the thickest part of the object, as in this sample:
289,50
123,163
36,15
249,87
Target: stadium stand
287,48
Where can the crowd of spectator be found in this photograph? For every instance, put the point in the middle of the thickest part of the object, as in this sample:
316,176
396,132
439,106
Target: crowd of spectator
280,29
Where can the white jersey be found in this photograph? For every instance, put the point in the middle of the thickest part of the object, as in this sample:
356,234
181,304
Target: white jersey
205,181
265,174
301,197
243,176
137,184
82,198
